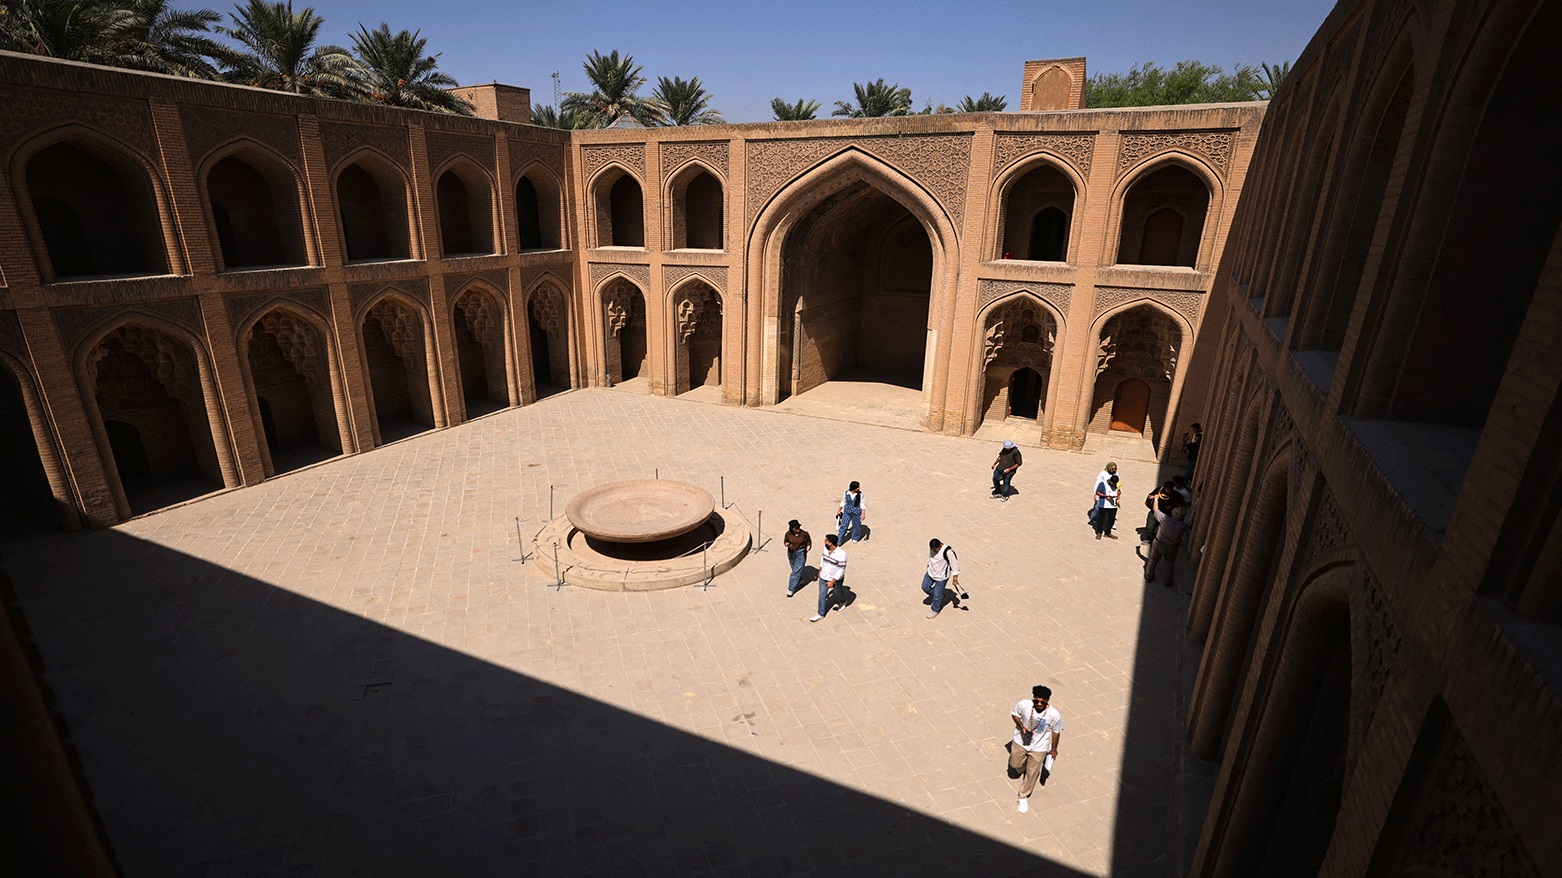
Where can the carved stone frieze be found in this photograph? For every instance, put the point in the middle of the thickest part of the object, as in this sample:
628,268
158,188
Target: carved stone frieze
715,275
76,323
1058,295
1076,149
206,127
938,162
340,138
123,119
631,155
1136,146
676,154
242,308
442,145
360,294
1184,302
640,274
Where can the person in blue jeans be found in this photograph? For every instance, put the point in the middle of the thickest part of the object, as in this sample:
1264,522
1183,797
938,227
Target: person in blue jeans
832,566
943,565
851,514
798,542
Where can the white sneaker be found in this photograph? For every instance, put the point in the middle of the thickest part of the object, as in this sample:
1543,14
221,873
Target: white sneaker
1024,805
816,618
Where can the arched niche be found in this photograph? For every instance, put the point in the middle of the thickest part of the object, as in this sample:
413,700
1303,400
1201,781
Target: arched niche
1019,338
619,209
252,200
547,326
466,210
96,211
1136,369
290,374
698,210
396,354
371,200
1038,210
624,322
1163,218
539,210
480,351
697,336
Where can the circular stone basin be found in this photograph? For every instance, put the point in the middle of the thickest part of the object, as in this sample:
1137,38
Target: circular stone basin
640,510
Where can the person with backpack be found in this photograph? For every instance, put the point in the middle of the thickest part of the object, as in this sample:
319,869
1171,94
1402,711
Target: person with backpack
943,566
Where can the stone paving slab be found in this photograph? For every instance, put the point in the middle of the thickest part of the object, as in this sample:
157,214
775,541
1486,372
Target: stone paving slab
344,671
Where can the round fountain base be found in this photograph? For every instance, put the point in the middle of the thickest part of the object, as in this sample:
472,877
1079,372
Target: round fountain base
710,549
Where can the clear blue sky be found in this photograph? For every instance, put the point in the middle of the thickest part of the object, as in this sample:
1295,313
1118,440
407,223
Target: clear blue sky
747,53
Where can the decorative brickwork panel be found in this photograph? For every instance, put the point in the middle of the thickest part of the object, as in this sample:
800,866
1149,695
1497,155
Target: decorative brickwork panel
27,112
443,145
242,308
1215,146
76,323
549,155
939,163
715,275
1182,301
630,155
339,139
640,274
1076,149
362,294
675,155
1058,295
205,128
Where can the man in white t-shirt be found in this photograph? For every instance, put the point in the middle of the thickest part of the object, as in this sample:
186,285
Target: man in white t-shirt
1037,728
832,566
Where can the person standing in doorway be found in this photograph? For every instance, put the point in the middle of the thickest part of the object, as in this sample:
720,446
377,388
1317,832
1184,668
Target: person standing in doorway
1172,529
832,566
1037,729
1107,495
1008,461
1191,441
943,567
850,515
797,542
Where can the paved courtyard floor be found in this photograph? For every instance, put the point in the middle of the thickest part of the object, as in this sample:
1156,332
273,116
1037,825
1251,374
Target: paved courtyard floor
345,671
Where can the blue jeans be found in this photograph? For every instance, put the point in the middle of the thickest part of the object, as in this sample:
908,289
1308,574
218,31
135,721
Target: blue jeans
935,588
851,521
797,558
824,594
1002,478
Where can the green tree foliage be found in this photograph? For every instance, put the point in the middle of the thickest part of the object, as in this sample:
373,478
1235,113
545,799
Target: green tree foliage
397,72
615,83
801,111
1190,82
875,99
548,116
279,52
984,104
688,103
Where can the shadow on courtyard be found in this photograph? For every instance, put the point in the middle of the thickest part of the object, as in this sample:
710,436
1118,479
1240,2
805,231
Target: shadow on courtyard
230,727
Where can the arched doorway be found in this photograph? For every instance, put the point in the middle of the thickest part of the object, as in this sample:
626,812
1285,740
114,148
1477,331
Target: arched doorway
1163,218
25,496
697,342
96,212
254,204
1025,393
288,371
395,352
548,329
372,200
624,320
147,387
479,332
856,282
1130,405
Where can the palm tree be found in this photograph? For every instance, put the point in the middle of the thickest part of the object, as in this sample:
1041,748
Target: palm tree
876,99
279,53
687,102
614,83
798,112
1273,76
94,31
168,40
396,72
548,116
984,104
